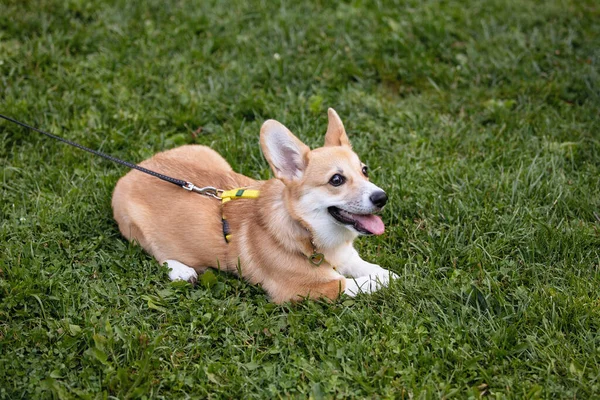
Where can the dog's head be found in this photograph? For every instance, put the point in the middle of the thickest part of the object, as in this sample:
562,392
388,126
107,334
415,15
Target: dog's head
328,188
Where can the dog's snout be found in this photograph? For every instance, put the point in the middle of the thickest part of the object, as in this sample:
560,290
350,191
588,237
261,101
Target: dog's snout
379,198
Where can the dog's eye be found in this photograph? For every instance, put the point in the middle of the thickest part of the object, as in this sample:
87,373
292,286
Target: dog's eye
337,180
365,171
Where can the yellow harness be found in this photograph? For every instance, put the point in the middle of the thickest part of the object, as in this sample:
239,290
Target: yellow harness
234,194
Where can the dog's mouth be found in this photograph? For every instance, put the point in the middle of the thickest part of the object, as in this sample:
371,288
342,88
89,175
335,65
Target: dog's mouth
367,224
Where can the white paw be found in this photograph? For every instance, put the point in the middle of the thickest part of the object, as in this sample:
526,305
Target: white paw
370,283
181,272
385,275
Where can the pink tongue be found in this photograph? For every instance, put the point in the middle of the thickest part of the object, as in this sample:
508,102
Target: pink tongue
371,223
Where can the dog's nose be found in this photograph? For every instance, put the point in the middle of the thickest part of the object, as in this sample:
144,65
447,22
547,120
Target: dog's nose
379,198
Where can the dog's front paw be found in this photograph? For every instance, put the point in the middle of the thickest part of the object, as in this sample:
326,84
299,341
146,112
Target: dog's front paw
370,283
181,272
386,275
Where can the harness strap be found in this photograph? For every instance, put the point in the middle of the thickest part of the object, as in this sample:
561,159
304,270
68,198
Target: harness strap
234,194
240,193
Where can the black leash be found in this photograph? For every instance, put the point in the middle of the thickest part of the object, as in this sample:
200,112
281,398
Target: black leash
207,191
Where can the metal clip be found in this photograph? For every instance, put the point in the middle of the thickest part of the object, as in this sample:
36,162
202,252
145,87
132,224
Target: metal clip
205,191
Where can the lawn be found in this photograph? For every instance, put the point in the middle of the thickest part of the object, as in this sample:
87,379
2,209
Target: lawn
480,119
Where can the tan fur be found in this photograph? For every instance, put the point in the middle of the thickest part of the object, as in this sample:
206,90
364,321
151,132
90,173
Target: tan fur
270,241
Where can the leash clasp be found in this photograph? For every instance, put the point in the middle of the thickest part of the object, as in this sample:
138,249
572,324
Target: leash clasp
205,191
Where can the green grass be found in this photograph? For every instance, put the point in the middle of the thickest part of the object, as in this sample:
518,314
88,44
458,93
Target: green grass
481,120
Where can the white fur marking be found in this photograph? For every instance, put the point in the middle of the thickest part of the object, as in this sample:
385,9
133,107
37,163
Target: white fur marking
369,284
180,272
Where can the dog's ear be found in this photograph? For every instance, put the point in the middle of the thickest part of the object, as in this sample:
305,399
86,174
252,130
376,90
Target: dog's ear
286,154
336,134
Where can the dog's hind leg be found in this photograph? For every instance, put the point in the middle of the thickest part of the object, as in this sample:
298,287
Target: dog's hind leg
181,272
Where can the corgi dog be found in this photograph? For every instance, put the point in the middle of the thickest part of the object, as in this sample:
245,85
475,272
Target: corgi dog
293,236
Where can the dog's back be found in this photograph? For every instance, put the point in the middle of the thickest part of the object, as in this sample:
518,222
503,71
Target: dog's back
166,224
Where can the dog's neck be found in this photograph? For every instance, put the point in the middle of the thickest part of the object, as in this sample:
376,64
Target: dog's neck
275,218
278,217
